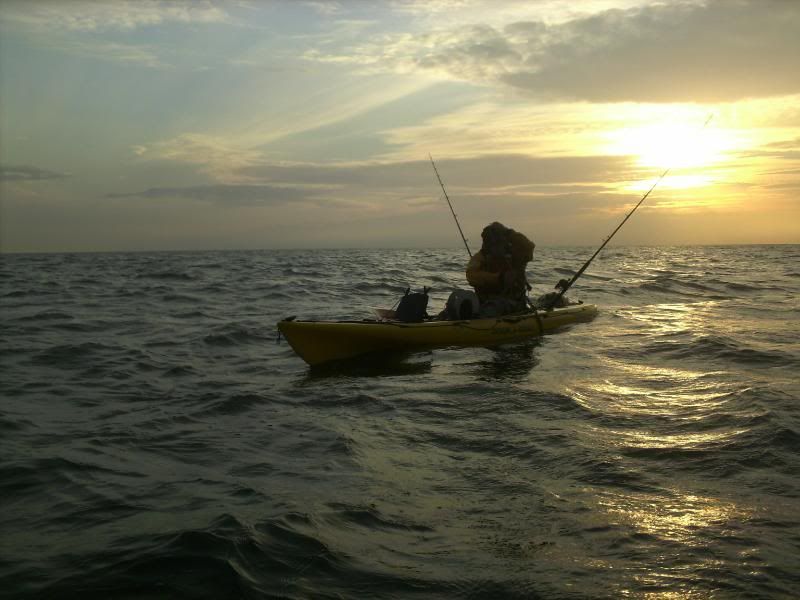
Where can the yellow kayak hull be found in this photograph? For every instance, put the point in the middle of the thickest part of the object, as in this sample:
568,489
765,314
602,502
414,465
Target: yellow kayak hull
322,341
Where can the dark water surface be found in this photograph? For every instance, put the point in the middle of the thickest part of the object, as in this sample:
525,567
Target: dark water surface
155,442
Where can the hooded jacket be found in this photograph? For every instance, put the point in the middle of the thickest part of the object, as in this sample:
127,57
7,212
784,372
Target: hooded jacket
487,268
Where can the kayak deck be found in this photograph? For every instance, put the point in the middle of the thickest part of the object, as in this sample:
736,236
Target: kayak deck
321,341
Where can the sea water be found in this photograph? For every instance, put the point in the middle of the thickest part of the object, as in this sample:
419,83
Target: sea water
156,441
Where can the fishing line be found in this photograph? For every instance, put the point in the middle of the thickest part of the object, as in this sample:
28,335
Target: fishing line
563,289
435,170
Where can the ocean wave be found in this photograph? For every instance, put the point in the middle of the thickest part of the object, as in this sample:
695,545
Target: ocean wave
370,518
191,314
168,275
724,348
383,286
724,455
83,326
10,424
743,287
185,298
678,287
273,294
71,355
47,315
234,334
340,398
176,370
603,471
656,287
234,405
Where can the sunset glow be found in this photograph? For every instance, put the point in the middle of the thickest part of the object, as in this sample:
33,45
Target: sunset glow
294,124
674,145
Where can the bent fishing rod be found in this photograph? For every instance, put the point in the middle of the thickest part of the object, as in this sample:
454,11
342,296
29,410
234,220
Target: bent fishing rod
435,170
563,289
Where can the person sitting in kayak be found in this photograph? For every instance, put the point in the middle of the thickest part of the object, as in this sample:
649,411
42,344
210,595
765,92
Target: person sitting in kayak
497,271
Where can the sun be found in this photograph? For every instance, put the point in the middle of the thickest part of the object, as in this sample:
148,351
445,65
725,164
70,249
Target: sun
697,151
671,145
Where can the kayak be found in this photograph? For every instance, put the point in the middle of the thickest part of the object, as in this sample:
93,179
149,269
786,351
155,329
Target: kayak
318,342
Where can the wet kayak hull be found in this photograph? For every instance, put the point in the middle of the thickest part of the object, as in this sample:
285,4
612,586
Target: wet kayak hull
319,342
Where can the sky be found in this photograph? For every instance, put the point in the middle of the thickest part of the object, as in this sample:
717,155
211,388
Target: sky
154,125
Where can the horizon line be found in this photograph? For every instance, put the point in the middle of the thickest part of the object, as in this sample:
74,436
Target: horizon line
377,248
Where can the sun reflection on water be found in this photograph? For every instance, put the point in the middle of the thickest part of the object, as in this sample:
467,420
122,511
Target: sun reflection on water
673,515
673,441
669,400
669,318
688,522
656,391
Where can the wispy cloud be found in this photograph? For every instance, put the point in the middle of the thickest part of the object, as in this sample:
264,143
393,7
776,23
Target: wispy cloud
484,172
408,187
98,16
27,173
131,54
93,29
788,150
215,155
428,6
228,195
324,7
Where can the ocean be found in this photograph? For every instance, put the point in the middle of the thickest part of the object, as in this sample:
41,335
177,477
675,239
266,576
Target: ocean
156,441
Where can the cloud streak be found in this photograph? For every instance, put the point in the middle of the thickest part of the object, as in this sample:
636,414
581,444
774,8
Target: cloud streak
407,187
490,171
28,173
130,54
228,195
122,15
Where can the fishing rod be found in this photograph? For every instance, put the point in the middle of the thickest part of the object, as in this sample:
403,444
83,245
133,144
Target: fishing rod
435,170
562,289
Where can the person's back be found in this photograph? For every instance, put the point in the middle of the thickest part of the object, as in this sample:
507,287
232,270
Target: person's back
497,271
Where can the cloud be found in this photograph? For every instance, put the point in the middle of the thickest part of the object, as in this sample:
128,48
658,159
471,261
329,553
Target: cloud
119,15
27,173
131,54
215,155
474,53
721,50
229,195
325,8
428,6
89,28
786,144
484,172
782,150
227,163
368,190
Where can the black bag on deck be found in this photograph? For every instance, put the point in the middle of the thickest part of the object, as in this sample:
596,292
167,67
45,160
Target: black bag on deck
412,307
